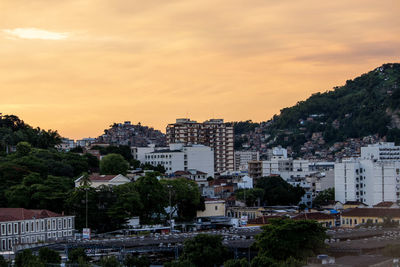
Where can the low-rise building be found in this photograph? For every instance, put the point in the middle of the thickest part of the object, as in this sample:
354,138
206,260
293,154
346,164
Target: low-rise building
249,212
213,208
326,220
22,226
199,177
352,217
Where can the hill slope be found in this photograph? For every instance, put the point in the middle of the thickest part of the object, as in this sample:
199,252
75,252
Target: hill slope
365,106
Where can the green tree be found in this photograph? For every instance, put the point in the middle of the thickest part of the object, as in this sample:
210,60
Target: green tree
3,262
264,261
128,203
27,259
132,261
77,255
47,256
109,262
113,164
278,192
237,263
185,197
23,149
153,197
252,196
204,251
284,238
324,197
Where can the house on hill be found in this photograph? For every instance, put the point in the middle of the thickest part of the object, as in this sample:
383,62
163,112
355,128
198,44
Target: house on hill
97,180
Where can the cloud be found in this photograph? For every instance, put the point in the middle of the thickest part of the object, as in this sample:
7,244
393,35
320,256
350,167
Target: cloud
33,33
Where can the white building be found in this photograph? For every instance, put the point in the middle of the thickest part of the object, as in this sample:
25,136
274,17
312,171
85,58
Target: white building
245,182
139,153
381,151
21,226
367,180
286,168
243,157
85,142
182,158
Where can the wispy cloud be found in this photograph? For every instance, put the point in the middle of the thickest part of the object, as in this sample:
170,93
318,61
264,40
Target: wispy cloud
33,33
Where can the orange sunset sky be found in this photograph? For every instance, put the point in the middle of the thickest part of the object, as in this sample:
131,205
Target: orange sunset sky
79,65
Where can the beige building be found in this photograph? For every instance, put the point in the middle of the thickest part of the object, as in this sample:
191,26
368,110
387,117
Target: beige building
97,180
352,217
213,207
250,212
213,133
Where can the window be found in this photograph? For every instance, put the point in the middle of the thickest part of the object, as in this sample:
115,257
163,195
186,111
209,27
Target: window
65,223
27,227
216,207
9,229
3,229
15,228
48,225
69,223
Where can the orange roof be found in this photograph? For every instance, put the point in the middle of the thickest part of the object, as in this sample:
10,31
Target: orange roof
18,214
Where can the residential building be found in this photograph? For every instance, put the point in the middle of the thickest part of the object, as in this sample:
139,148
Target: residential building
85,142
382,151
352,217
245,182
22,226
199,177
255,169
367,180
213,207
213,133
178,157
97,180
243,157
327,220
249,212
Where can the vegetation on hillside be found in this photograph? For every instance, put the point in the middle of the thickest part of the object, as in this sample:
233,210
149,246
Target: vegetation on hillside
359,108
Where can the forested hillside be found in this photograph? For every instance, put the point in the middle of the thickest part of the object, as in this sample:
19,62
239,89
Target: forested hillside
365,106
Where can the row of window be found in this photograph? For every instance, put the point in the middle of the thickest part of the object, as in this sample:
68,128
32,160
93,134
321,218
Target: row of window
7,244
35,226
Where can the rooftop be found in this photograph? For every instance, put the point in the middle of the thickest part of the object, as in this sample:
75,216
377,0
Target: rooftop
18,214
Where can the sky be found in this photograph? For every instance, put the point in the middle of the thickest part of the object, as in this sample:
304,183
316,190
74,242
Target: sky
77,66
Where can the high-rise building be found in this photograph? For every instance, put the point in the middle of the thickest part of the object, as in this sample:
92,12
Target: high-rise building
373,178
213,133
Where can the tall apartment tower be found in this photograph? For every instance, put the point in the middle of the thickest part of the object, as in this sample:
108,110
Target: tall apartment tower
213,133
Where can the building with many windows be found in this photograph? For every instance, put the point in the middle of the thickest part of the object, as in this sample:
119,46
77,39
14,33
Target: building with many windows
242,159
178,157
368,181
23,226
213,133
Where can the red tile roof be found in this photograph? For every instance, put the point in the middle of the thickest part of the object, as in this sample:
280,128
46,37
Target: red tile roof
18,214
372,212
313,216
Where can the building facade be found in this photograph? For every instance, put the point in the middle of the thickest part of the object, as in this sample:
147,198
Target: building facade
213,133
242,159
178,157
21,226
367,180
